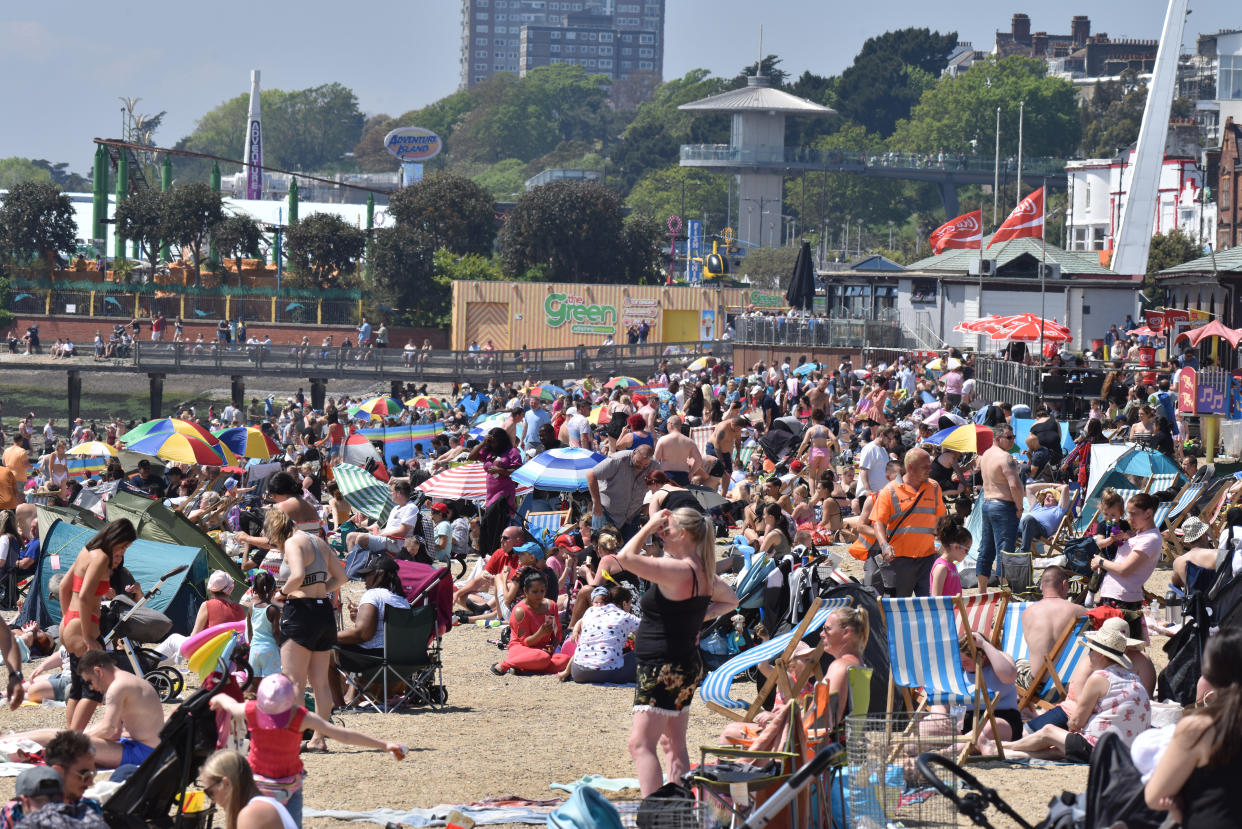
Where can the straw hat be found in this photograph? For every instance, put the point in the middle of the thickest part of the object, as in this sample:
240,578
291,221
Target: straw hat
1111,643
1192,529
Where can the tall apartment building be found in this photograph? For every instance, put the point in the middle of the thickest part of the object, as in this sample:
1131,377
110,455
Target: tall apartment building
620,39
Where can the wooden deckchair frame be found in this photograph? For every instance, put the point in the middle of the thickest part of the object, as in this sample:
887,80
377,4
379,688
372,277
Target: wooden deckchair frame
1048,670
983,700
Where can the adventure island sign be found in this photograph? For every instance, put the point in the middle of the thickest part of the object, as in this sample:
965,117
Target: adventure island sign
583,317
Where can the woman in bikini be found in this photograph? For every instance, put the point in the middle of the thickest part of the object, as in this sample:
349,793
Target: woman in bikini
56,466
81,589
819,444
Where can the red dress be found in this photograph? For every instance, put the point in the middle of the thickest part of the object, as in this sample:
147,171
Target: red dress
534,660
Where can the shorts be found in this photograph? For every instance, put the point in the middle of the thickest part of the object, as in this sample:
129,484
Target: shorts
725,460
264,660
60,684
1009,715
1132,614
678,476
1077,748
133,753
667,687
310,623
384,544
78,689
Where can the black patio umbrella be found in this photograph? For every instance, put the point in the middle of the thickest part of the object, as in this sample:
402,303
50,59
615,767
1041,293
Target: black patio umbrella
801,293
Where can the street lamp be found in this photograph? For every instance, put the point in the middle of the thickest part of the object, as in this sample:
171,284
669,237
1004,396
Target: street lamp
890,235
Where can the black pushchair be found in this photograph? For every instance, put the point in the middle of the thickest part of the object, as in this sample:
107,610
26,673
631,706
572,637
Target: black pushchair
131,624
187,739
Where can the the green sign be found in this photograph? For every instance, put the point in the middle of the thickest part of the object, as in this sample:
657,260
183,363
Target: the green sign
583,318
762,300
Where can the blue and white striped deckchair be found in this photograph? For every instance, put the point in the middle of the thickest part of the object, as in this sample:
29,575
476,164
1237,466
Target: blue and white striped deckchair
716,686
543,525
1013,642
1179,510
1051,680
923,652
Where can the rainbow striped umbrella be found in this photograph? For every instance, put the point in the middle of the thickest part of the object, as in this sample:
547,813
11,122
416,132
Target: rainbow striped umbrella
623,381
377,408
93,449
546,392
970,437
599,416
559,470
166,425
425,402
248,442
179,448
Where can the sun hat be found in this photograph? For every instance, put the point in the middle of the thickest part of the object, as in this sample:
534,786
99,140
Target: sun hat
219,581
1120,625
40,781
1047,490
1111,643
1193,529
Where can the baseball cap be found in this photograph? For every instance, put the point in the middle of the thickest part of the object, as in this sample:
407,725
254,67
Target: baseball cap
440,507
40,781
275,697
530,548
219,581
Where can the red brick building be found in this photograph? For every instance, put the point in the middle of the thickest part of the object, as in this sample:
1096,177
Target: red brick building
1229,182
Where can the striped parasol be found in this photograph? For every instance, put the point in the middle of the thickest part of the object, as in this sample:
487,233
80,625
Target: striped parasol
93,449
377,408
425,402
546,392
599,416
467,481
623,381
701,364
179,448
363,491
166,425
249,442
559,470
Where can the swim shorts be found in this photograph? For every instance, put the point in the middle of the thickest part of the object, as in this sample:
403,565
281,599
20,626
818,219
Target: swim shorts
309,622
134,752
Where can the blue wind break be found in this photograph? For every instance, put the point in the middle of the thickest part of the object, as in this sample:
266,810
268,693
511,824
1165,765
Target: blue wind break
1022,428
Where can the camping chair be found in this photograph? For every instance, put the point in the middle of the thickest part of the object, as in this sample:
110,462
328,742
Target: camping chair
411,656
543,526
716,686
1050,680
923,653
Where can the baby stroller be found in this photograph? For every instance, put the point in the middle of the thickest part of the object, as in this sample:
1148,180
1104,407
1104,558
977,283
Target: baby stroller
129,622
187,739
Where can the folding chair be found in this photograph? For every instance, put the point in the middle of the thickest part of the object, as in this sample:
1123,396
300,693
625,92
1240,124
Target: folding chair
411,656
1013,641
544,525
701,435
716,686
1050,681
984,612
924,654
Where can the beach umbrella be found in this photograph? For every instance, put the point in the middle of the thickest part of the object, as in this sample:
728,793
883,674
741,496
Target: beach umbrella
363,491
968,438
467,481
1034,330
358,450
179,448
489,421
801,292
623,381
545,391
938,364
559,470
166,425
805,368
377,408
708,498
1213,329
701,364
248,441
599,416
1143,331
984,325
425,402
93,449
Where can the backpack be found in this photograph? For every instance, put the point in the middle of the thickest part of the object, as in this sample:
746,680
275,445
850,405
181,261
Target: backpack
1078,554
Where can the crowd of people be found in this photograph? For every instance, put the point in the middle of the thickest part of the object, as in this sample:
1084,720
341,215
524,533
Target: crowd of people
775,462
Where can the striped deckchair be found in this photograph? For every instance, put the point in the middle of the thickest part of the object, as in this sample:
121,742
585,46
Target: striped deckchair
715,690
1050,681
924,654
1013,641
701,435
984,612
1179,510
543,525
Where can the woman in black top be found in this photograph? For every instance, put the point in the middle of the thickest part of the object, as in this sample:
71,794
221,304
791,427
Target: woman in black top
685,591
667,495
943,468
1162,437
1196,777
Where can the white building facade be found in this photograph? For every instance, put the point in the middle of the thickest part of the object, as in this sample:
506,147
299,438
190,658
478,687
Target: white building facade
1098,188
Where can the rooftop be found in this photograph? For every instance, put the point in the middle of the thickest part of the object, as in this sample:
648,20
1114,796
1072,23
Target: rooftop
757,96
1229,261
1077,262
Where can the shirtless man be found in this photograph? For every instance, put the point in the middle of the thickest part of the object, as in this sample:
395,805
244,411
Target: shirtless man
724,442
1002,503
1045,619
815,445
648,411
677,454
130,728
817,397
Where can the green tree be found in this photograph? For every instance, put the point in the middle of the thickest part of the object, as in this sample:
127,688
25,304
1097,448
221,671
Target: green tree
306,129
237,236
572,231
62,177
890,74
14,171
1112,116
503,179
141,217
37,223
191,211
958,114
1166,251
324,250
682,191
404,277
452,211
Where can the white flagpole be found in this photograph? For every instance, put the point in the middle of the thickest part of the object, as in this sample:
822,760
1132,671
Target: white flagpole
1018,191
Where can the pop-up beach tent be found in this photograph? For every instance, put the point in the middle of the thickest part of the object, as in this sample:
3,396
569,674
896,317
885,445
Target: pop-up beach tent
178,599
156,522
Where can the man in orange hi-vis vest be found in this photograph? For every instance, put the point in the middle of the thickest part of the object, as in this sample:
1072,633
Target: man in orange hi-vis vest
904,519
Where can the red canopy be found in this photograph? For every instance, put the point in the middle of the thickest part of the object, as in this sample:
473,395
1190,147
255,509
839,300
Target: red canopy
1213,329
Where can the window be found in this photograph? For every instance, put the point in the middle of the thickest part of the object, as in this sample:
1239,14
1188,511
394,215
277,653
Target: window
1229,77
605,64
482,15
480,53
646,64
555,48
571,35
482,30
645,53
556,35
605,50
480,41
627,51
605,37
646,38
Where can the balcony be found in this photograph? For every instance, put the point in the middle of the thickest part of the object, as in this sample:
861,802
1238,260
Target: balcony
922,166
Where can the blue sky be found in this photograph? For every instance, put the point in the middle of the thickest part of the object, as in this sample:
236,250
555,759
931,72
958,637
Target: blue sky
64,75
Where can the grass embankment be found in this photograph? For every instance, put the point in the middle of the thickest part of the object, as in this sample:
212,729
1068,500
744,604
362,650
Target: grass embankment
97,406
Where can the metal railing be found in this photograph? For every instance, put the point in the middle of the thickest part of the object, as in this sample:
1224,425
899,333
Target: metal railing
817,331
390,364
1006,381
860,160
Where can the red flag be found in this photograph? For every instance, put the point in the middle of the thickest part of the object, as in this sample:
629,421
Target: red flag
966,231
1026,220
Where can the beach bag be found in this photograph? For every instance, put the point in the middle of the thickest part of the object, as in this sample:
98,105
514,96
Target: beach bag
1078,554
585,809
